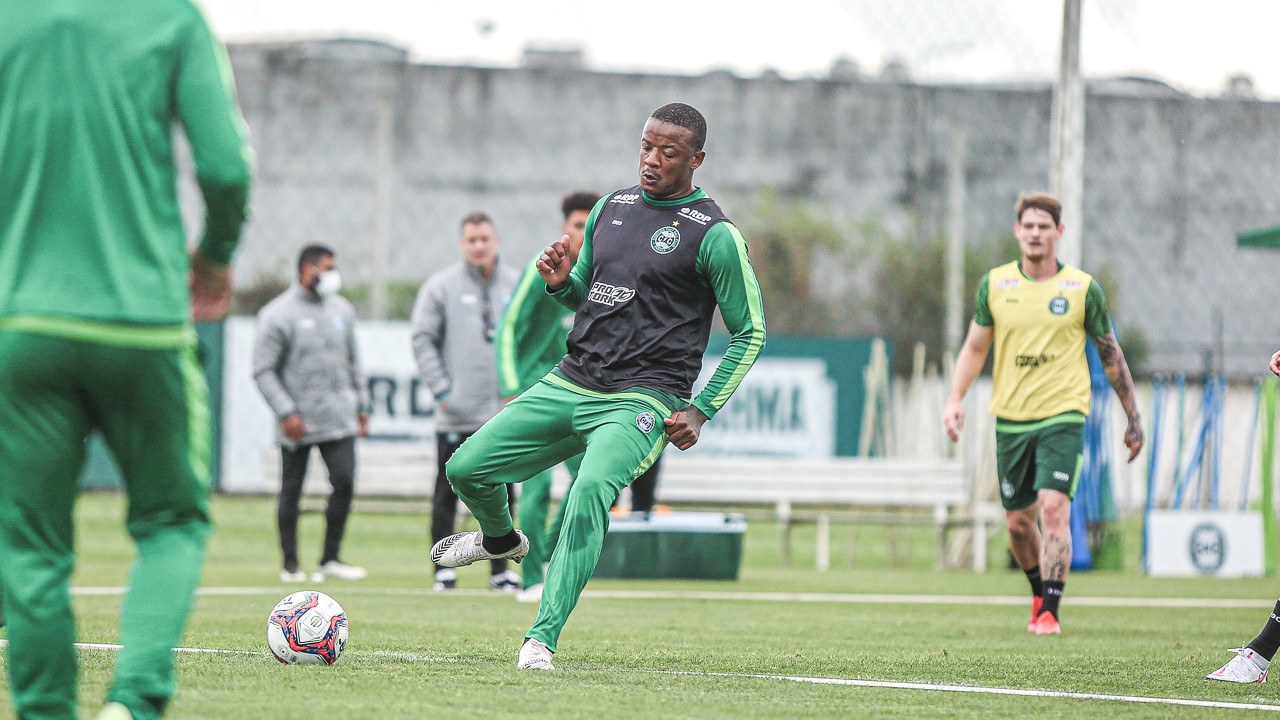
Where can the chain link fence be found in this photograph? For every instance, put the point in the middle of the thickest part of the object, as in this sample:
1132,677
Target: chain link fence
840,178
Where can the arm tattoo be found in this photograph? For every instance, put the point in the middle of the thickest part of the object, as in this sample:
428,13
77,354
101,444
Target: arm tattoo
1117,371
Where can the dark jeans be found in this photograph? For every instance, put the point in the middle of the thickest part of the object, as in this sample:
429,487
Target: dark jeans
340,458
444,502
644,489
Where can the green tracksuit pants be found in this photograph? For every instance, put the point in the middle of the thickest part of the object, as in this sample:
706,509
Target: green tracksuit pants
621,434
151,406
533,509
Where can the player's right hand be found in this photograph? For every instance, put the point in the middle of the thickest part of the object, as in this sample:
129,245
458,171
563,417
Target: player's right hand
210,285
1275,363
553,264
953,419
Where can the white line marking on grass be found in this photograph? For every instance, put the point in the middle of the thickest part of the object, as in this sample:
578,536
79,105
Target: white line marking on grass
113,646
844,598
982,690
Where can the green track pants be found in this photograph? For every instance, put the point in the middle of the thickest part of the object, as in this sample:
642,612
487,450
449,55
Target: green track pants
621,434
151,406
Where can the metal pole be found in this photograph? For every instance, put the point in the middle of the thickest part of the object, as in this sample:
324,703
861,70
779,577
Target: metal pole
1066,139
955,240
380,243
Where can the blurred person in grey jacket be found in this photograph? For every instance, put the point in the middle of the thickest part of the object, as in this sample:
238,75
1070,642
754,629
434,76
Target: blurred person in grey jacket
307,368
453,324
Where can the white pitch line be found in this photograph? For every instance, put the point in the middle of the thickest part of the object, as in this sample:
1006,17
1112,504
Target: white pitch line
731,596
971,689
113,646
982,690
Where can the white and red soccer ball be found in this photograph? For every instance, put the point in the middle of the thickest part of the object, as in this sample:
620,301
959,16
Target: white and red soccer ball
307,627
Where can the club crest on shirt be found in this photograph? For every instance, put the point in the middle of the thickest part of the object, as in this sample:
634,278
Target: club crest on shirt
665,240
1059,305
645,421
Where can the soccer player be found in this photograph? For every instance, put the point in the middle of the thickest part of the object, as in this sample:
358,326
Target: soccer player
530,341
97,297
656,261
1252,661
1038,311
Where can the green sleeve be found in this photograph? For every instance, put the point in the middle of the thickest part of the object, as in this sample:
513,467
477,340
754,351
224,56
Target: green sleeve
205,96
723,261
510,343
981,308
575,291
1097,321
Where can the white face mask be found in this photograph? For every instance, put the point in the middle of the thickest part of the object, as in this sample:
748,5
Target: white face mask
328,283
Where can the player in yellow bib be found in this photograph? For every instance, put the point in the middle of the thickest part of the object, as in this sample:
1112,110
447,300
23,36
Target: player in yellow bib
1039,311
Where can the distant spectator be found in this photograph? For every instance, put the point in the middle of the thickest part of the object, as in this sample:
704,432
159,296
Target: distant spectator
454,321
307,368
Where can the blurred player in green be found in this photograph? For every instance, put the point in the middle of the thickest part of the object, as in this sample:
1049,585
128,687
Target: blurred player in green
531,340
97,296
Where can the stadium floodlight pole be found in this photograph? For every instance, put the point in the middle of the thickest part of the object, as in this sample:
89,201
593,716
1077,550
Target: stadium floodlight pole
1066,139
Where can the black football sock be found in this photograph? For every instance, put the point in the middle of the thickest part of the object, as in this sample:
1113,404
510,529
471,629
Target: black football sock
500,544
1033,577
1052,596
1269,639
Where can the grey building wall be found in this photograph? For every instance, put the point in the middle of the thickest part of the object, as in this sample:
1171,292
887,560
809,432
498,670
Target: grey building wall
1169,178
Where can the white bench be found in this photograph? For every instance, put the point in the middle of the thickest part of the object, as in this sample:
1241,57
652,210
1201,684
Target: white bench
825,487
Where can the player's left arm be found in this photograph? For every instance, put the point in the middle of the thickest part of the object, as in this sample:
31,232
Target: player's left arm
1097,323
723,262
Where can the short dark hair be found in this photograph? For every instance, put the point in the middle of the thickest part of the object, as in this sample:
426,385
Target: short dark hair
476,217
687,117
1040,201
578,200
312,254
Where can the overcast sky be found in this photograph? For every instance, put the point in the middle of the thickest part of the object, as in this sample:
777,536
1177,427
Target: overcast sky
1192,44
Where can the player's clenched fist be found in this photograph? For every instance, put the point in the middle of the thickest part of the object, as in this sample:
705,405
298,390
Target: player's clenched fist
553,264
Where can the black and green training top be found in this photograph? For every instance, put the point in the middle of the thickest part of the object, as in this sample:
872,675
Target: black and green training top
645,286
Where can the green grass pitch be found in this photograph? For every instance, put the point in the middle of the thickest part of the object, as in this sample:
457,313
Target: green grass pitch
418,654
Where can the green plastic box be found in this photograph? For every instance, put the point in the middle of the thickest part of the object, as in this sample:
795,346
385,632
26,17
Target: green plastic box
687,545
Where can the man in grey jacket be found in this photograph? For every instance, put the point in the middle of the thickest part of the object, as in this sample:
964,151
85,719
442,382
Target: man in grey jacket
306,367
453,324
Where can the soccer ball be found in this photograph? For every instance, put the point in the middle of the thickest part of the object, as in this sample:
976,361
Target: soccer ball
307,627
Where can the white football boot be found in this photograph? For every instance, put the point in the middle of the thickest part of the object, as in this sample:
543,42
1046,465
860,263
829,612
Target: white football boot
531,594
534,655
464,548
1243,668
340,570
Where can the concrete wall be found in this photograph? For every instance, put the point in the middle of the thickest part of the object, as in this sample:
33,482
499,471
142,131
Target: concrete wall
1169,178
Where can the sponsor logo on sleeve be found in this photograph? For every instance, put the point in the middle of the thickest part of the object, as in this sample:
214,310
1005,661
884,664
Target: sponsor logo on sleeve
625,198
1008,282
1070,284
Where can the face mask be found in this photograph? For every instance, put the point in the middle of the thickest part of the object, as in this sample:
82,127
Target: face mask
328,283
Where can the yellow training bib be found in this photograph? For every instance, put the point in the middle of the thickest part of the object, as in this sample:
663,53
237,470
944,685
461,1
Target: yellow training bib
1040,365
